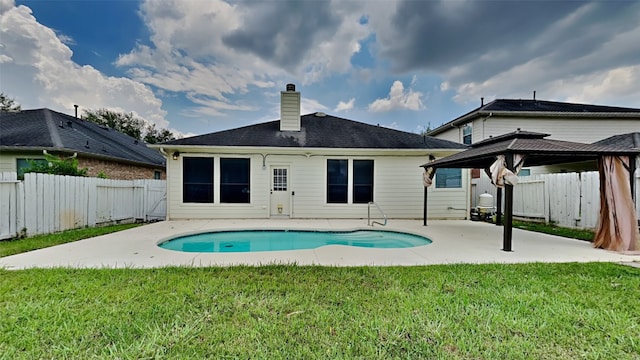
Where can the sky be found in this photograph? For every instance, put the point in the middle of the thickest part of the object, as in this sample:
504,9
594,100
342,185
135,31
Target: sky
200,66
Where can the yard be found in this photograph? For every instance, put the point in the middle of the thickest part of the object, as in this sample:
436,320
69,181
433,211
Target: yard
282,312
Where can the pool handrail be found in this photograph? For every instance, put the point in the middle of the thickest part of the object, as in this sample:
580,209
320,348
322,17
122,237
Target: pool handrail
369,222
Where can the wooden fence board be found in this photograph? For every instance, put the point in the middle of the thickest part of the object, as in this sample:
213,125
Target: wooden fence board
43,203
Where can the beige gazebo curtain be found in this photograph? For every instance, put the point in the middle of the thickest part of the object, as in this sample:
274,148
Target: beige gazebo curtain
500,174
618,223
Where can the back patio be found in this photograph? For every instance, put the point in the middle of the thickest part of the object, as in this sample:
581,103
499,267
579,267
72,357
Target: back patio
454,241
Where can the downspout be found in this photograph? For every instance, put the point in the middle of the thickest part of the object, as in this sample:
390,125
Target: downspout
483,125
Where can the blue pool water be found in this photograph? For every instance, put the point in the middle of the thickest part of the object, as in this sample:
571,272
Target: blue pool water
278,240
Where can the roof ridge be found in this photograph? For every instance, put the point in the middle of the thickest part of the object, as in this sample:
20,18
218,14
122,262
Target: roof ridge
53,130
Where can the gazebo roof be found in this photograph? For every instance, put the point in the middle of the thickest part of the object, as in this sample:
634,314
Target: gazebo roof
537,150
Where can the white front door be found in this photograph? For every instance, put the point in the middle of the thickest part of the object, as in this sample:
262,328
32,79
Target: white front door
280,201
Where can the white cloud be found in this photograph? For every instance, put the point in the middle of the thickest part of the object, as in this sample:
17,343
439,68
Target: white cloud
6,5
309,106
221,50
344,106
398,99
38,71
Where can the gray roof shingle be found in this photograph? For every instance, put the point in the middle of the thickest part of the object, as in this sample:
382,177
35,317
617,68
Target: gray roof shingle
552,106
530,107
319,131
537,151
51,130
627,141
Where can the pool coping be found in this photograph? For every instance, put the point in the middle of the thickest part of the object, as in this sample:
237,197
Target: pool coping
454,242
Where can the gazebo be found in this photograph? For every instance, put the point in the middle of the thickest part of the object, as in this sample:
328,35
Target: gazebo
503,156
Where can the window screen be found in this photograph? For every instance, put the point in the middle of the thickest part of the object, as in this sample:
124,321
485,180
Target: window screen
362,181
337,181
234,180
197,180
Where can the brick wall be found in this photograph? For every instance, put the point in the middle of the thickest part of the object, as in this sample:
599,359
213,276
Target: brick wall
119,171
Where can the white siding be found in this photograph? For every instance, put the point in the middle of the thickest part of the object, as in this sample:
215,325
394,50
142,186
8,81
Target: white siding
7,162
290,111
453,134
570,129
578,130
398,190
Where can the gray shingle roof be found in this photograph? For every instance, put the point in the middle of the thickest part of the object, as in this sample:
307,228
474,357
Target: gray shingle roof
627,141
552,106
51,130
510,107
319,132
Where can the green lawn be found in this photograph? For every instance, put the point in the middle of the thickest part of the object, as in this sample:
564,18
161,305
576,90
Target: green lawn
526,311
581,234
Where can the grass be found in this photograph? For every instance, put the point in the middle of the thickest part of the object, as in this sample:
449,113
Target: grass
581,234
16,246
523,311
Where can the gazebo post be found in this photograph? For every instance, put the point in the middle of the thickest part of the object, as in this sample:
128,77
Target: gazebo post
508,208
632,174
498,206
424,210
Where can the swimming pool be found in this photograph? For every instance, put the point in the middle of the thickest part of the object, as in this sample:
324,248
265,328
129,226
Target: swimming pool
279,240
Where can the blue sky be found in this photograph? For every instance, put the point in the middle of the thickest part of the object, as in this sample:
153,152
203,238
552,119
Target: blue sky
202,66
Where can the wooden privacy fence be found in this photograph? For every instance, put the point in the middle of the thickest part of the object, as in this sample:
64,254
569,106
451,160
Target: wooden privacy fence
567,199
45,203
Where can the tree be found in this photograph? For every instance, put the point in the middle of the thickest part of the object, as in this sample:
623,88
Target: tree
7,104
426,129
122,122
128,124
55,165
154,135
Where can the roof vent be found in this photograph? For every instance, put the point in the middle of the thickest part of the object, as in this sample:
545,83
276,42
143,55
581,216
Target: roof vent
291,87
320,114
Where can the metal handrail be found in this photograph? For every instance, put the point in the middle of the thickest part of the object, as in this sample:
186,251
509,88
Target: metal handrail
369,222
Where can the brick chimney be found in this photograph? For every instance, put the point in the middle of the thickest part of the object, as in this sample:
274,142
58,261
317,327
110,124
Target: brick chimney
290,109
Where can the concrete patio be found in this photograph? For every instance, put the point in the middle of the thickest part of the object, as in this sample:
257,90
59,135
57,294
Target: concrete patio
454,241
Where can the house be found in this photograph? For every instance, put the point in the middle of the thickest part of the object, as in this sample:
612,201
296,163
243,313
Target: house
310,166
584,123
24,135
563,121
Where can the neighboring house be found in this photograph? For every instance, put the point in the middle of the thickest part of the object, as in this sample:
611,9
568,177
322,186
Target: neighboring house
26,134
310,166
583,123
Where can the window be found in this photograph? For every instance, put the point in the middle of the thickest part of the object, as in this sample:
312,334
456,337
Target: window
448,178
525,172
337,181
157,174
234,180
197,180
280,179
22,164
467,132
362,181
